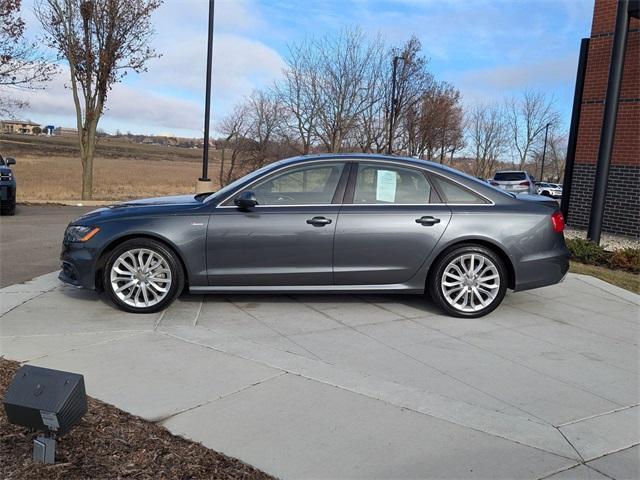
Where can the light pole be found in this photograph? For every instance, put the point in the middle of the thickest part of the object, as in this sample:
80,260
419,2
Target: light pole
393,102
204,183
544,150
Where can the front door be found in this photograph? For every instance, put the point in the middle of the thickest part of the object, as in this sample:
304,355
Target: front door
388,226
287,239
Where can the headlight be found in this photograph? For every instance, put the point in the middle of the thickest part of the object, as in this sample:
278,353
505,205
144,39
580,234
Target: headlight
79,233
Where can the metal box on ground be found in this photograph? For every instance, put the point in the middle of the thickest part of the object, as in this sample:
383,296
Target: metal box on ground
45,399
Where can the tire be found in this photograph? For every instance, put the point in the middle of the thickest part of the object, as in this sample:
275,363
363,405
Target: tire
137,272
546,194
8,209
479,297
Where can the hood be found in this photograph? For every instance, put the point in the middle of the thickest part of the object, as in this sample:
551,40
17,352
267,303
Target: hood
152,206
4,169
171,200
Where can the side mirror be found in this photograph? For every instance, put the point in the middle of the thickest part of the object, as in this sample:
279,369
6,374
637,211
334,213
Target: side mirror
246,200
10,161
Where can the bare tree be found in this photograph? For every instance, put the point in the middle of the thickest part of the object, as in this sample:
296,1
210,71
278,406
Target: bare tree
527,117
344,84
101,40
265,117
487,137
412,81
298,93
555,157
233,144
21,63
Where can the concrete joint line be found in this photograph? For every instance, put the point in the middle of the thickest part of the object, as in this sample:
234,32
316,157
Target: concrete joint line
626,447
597,415
26,301
157,324
84,347
195,320
161,420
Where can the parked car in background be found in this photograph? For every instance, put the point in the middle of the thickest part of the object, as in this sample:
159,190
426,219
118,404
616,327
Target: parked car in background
7,186
514,181
324,223
548,189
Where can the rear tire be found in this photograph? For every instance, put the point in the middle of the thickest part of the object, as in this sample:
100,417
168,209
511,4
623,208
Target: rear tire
143,276
469,281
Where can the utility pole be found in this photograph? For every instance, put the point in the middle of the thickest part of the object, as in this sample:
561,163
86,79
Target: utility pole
204,183
392,113
544,151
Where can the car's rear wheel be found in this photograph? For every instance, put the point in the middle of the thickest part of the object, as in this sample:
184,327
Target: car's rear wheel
143,276
469,281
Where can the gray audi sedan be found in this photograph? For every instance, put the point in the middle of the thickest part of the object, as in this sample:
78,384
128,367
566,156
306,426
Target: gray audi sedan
325,223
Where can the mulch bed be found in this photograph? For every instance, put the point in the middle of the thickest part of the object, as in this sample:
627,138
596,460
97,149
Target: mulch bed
110,443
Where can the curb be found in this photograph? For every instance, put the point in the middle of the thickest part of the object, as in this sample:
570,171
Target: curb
70,203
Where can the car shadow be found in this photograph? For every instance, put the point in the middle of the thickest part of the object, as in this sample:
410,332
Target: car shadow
420,303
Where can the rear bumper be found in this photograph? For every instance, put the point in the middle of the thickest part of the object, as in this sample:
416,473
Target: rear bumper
543,270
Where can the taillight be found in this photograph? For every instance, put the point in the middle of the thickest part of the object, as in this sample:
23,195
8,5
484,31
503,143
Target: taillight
525,184
557,221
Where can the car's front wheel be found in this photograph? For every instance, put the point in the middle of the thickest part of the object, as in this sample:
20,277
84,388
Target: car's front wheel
469,281
143,276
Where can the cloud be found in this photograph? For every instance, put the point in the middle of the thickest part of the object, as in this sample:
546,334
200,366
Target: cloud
126,104
545,73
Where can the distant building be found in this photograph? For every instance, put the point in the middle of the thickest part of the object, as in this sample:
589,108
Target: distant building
19,126
65,132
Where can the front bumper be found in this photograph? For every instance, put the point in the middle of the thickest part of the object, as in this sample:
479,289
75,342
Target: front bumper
78,265
7,192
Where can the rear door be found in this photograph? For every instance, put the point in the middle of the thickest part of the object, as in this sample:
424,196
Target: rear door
287,239
390,222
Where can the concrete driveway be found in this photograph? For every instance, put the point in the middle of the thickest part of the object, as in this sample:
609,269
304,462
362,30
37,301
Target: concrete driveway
308,386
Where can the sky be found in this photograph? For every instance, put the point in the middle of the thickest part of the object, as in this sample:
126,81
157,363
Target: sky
488,49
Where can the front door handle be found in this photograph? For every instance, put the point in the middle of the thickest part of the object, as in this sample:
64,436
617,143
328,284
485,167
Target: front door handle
427,221
319,221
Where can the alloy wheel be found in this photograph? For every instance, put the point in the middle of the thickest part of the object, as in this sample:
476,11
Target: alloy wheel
141,277
470,282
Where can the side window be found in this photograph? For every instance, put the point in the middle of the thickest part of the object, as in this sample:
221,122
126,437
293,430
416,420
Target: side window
307,185
388,184
454,193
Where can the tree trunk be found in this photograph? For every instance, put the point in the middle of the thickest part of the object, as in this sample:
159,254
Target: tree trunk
87,150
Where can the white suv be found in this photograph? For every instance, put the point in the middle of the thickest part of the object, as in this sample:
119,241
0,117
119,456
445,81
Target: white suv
514,181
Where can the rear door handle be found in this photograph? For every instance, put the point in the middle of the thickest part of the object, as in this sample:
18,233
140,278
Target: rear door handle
319,221
427,221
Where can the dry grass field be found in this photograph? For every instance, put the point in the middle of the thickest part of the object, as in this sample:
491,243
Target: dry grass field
48,168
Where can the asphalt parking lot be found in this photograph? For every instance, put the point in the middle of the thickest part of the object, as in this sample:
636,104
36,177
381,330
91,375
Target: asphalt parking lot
30,240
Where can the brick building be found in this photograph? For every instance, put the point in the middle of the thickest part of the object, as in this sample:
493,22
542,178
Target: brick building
622,201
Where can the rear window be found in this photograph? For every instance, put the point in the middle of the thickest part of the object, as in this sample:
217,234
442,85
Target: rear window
455,193
509,176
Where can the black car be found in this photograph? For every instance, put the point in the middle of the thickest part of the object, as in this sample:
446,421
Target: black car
7,187
330,223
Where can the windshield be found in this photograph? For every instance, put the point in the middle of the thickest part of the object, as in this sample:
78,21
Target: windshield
509,176
236,183
1,160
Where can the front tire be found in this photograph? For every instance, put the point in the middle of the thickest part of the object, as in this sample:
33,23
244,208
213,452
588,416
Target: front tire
8,208
469,281
143,276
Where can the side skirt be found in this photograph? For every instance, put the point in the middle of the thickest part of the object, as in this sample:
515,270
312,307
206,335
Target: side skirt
394,288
